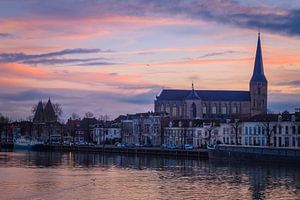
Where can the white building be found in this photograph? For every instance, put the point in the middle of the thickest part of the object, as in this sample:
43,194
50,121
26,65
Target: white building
109,134
194,132
143,128
274,130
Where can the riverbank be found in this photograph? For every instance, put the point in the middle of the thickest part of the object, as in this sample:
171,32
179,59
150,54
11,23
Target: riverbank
154,151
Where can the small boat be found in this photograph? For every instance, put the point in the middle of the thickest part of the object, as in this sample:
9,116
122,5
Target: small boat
27,144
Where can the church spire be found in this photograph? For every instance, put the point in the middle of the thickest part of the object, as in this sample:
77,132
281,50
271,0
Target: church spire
193,94
258,72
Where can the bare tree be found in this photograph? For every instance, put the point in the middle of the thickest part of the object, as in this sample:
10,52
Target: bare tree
3,125
103,118
89,114
75,116
269,128
209,130
236,127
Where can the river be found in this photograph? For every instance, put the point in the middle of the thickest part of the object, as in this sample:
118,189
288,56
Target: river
61,175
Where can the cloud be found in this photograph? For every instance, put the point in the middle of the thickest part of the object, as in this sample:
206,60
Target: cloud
5,35
141,99
289,83
217,54
27,95
253,16
57,61
15,57
97,63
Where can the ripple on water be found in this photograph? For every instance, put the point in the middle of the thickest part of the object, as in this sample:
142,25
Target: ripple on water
57,175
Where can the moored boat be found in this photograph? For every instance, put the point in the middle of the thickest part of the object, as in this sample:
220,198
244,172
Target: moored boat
27,144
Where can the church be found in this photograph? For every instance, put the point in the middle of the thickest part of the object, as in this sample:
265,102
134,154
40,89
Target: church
222,104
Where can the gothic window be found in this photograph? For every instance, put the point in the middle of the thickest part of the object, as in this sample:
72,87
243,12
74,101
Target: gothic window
259,90
214,109
174,111
180,110
224,109
167,108
234,109
194,110
204,109
162,108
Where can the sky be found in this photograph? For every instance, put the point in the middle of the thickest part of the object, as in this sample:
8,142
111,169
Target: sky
114,57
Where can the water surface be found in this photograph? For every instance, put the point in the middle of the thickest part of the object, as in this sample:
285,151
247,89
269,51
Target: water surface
58,175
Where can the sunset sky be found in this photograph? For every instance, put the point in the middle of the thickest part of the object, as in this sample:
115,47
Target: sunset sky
113,57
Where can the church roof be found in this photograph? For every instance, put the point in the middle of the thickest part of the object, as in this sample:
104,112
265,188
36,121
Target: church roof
205,95
258,72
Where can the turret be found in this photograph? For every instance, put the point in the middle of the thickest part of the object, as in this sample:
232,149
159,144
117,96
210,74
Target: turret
258,84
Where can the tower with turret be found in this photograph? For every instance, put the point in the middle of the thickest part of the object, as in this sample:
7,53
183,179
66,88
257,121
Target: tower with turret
258,84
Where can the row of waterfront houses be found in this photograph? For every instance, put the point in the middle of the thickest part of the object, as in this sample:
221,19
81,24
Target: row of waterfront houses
156,129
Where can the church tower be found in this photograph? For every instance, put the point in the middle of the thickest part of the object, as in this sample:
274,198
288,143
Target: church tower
258,84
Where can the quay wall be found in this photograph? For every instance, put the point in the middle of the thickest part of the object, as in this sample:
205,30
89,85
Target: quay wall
196,154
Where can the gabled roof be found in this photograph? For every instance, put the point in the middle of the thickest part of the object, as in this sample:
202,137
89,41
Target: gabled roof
39,113
258,72
49,112
205,95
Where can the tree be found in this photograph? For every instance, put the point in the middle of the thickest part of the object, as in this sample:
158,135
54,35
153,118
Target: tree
236,127
75,116
209,130
89,115
3,125
103,118
269,129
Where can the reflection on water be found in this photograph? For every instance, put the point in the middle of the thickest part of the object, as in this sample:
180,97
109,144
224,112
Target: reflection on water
57,175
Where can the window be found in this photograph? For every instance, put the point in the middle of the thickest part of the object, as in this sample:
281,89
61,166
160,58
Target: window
224,110
167,109
294,129
234,109
246,140
250,130
204,111
259,130
279,141
194,110
286,130
174,111
280,129
294,142
246,130
254,130
162,108
180,111
286,141
214,110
